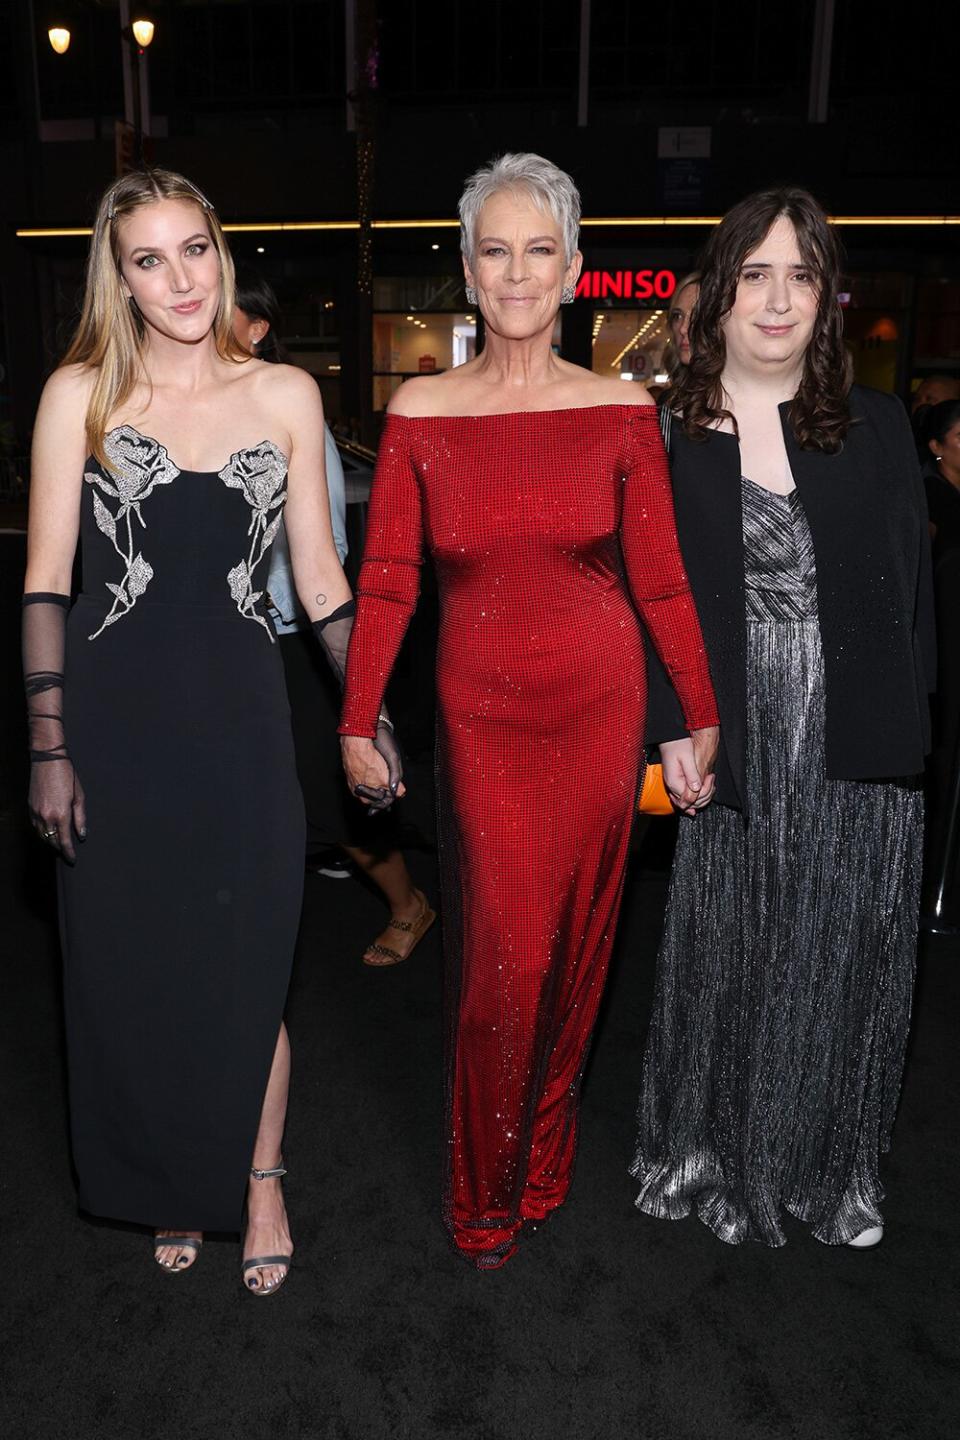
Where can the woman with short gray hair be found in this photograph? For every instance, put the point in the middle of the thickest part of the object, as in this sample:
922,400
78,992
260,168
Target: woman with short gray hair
551,190
528,479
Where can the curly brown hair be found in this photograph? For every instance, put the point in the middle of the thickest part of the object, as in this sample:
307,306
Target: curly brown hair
819,412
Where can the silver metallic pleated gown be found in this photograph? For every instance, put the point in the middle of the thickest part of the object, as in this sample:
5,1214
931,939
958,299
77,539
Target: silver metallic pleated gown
776,1047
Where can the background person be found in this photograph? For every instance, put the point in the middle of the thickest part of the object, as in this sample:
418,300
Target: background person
776,1046
332,813
678,351
941,474
526,477
678,319
932,390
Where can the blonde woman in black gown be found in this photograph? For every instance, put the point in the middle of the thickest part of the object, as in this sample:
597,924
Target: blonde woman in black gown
160,733
776,1047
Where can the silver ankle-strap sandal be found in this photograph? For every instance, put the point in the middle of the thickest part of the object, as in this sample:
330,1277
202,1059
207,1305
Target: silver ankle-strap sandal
182,1242
268,1174
259,1262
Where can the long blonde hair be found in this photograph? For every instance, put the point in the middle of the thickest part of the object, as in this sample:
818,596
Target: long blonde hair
109,337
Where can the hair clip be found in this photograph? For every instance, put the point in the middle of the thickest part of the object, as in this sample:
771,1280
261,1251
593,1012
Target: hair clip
200,196
204,202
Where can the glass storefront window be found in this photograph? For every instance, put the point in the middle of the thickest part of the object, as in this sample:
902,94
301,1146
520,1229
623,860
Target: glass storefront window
937,345
631,344
873,339
418,292
13,466
874,321
414,342
407,343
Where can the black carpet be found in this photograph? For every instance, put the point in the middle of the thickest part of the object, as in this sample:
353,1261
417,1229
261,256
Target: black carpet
606,1324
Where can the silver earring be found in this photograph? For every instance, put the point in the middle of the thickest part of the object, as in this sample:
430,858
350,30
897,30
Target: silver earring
567,294
471,295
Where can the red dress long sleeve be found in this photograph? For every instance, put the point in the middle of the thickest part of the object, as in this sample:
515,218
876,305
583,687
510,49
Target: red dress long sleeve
389,580
532,520
656,576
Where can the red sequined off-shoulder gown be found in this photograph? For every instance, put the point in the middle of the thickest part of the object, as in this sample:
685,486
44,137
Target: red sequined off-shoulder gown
549,531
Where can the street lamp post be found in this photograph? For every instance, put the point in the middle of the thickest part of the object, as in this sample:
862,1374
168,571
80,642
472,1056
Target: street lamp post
137,33
137,107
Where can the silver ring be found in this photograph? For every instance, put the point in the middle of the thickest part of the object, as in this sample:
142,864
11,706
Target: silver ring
49,834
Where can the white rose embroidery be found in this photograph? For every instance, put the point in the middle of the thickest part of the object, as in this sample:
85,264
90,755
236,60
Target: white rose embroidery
137,465
261,474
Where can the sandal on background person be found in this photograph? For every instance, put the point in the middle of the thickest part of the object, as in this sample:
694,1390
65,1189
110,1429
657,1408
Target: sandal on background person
381,954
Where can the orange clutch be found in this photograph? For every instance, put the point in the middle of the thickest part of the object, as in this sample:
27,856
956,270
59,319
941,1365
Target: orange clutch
653,799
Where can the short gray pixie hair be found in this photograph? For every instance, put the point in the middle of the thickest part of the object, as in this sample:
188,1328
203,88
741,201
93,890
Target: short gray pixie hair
548,187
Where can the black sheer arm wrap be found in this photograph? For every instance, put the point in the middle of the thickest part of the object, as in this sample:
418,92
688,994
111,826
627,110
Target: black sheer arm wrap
56,799
333,633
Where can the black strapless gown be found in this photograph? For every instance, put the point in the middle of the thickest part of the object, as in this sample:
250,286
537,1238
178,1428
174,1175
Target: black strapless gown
180,918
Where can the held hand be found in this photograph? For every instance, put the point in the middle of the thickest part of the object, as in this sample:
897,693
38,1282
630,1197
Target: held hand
689,783
386,746
57,806
706,743
369,776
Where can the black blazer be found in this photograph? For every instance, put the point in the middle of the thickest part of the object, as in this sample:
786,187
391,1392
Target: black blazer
867,515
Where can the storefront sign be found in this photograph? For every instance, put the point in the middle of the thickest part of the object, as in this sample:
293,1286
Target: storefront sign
626,285
683,163
683,142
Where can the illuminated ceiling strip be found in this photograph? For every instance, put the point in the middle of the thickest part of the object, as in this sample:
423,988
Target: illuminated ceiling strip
314,225
268,227
41,234
654,221
416,224
614,364
650,222
264,227
631,343
895,219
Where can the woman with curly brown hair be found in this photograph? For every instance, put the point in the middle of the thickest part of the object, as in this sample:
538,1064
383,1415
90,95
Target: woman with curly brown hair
776,1048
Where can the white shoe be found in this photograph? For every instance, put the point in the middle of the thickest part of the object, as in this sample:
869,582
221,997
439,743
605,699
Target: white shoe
332,864
867,1238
